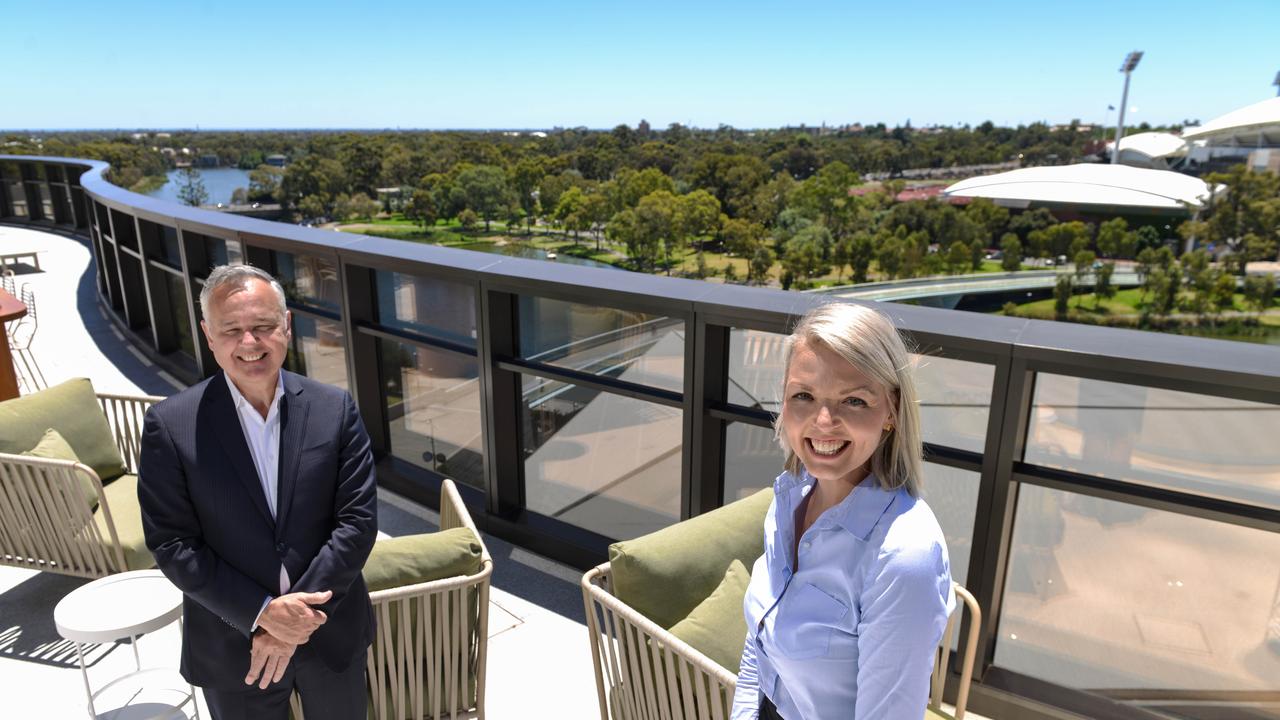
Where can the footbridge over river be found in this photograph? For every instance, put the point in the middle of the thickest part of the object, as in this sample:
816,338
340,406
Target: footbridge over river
949,291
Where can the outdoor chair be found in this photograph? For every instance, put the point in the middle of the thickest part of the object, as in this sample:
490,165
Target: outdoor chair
21,333
665,621
68,481
430,598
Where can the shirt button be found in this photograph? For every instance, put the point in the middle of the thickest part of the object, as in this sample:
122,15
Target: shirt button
279,547
805,544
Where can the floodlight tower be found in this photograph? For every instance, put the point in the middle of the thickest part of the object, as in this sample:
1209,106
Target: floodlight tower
1130,62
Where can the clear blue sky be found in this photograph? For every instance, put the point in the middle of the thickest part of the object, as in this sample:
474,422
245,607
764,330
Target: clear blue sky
427,64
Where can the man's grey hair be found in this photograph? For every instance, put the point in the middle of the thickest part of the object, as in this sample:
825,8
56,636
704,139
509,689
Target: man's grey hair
237,275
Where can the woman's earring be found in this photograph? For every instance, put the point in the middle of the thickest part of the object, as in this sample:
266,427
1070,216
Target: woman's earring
888,427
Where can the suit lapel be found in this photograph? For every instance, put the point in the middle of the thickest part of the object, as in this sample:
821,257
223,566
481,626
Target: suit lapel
227,427
293,430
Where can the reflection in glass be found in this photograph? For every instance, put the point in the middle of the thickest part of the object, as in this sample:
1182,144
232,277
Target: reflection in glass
756,362
1201,444
433,410
955,398
178,308
309,279
318,350
955,395
221,252
17,199
602,462
1101,594
752,459
428,306
952,495
625,344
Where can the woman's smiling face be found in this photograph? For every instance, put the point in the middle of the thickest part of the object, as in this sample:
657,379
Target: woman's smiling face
834,415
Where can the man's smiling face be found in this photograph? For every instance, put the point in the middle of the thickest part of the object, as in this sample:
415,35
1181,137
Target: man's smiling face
248,334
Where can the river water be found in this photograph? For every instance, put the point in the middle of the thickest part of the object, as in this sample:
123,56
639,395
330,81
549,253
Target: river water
219,182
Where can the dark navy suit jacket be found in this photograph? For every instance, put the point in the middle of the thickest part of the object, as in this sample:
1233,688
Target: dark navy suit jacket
207,521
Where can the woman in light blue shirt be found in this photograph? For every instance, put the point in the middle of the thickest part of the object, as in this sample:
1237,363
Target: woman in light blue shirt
848,603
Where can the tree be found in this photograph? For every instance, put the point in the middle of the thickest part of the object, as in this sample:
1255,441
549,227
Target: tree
1024,223
468,219
311,207
1103,288
977,250
806,254
1062,291
730,273
191,189
1147,237
422,208
1011,252
364,207
698,214
486,191
655,225
264,183
957,258
992,218
742,237
1259,292
761,261
1115,239
861,253
239,196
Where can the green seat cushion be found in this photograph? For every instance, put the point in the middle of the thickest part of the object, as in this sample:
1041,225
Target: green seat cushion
666,574
55,447
126,514
716,627
931,714
72,409
412,559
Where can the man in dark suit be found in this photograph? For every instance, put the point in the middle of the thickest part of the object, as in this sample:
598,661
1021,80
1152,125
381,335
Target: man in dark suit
258,500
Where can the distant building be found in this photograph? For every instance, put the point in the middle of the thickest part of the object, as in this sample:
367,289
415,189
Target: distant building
208,160
276,161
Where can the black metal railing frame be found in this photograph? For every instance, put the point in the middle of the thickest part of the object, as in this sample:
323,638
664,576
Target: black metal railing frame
1017,349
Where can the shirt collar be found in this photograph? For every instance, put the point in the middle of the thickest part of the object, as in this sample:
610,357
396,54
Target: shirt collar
858,513
241,401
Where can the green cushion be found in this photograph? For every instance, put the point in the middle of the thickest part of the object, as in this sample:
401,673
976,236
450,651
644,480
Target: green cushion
931,714
55,447
716,627
70,408
412,559
126,514
665,574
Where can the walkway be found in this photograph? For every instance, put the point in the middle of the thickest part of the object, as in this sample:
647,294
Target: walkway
538,641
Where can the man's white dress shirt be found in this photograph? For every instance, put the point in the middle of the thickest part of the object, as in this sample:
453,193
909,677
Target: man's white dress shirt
263,437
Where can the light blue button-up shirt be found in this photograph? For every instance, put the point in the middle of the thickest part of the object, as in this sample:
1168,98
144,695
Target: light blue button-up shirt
852,632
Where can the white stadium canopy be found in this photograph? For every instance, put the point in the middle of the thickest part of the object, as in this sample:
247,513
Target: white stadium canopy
1152,144
1257,125
1099,187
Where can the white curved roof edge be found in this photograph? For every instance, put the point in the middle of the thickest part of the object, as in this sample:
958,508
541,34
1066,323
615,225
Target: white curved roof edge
1259,115
1089,184
1152,144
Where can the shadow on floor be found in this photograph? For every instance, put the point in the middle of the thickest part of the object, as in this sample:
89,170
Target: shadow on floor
27,631
535,579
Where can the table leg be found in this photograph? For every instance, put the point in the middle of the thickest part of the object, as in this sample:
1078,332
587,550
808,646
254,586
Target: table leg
133,640
84,673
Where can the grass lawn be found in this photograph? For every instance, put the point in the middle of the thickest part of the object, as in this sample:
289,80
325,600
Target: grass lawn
148,183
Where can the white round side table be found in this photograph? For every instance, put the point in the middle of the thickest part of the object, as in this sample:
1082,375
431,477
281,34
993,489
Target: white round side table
127,605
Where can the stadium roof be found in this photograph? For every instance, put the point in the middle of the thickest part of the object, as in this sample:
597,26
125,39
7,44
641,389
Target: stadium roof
1097,187
1153,144
1256,124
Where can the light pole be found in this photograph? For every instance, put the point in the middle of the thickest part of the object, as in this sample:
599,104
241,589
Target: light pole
1130,62
1276,82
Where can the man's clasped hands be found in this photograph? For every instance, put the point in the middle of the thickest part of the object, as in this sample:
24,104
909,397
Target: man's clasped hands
285,623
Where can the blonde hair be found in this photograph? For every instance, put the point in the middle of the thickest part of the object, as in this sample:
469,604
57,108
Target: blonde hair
870,342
